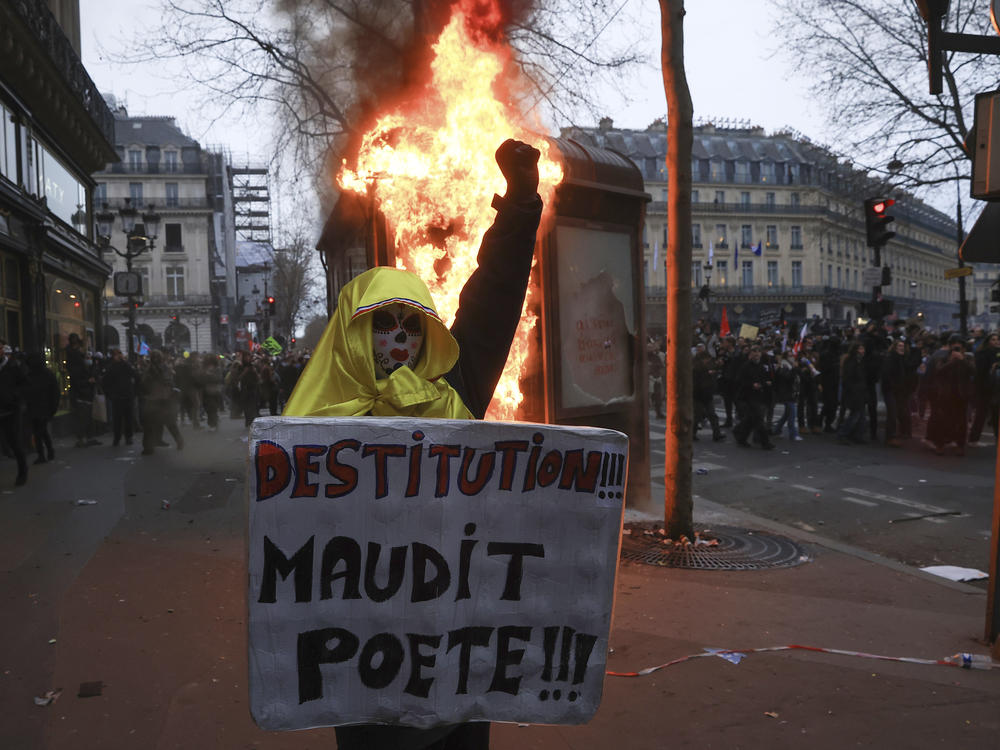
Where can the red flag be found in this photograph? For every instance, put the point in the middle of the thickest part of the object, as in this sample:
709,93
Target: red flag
724,326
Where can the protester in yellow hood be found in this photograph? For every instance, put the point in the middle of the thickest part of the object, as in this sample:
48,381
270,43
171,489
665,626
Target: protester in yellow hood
384,313
386,352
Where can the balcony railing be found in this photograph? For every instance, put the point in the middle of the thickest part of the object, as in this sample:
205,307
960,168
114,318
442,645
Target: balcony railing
123,167
166,300
160,202
48,33
730,291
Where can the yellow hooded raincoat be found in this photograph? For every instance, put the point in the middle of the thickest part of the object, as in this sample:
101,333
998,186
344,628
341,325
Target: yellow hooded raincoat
340,381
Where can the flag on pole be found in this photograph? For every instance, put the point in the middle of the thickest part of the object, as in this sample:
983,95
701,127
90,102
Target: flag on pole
711,252
656,255
802,334
724,325
756,249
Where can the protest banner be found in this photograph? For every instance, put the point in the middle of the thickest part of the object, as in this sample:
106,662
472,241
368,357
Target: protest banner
748,331
430,571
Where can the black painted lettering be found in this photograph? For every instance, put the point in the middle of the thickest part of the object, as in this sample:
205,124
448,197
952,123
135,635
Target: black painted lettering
465,562
397,566
424,589
312,650
389,649
465,639
508,657
419,685
515,566
300,566
337,550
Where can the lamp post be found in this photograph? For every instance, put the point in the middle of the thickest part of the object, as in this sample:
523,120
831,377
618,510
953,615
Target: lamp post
138,239
708,286
913,298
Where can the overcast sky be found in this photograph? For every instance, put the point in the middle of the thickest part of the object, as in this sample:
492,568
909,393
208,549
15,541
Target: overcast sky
727,56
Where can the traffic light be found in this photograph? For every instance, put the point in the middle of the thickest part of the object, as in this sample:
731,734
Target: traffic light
877,221
270,305
886,276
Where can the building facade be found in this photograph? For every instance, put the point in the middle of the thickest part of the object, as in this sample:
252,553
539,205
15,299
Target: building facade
805,209
55,130
162,169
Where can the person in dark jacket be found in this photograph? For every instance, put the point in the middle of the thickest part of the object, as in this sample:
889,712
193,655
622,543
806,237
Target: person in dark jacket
119,386
210,381
829,380
705,374
787,387
342,379
951,388
42,397
895,381
753,385
246,381
854,394
82,386
157,408
987,358
12,385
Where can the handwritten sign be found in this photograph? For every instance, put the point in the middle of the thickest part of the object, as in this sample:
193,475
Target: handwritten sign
748,332
424,572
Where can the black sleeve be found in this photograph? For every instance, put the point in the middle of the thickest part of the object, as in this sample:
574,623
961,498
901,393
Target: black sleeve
489,307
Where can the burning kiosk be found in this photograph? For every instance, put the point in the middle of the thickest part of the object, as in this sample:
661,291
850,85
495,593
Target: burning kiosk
586,355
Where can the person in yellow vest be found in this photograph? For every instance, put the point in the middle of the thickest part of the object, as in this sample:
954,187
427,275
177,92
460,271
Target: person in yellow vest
386,352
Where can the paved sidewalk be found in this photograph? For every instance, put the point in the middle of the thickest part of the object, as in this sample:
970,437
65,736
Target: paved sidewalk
151,602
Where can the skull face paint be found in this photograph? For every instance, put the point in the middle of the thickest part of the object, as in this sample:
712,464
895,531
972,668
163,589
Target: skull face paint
397,337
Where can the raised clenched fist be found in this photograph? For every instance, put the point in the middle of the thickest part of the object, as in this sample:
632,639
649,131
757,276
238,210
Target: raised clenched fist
519,163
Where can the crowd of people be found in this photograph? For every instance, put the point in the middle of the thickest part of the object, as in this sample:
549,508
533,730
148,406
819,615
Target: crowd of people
107,393
940,386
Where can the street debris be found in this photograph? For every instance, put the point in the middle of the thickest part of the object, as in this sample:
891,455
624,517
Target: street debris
964,661
90,689
772,714
955,573
51,696
84,501
772,477
734,657
927,515
701,471
51,641
165,505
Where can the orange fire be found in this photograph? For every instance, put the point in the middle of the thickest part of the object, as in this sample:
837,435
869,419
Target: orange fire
431,165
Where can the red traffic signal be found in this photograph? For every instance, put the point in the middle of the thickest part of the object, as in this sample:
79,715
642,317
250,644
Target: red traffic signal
877,221
270,305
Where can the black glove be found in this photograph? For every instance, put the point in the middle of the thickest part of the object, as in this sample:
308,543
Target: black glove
519,163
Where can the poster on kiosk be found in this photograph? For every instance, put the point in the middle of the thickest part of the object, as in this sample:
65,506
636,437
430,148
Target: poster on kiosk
430,571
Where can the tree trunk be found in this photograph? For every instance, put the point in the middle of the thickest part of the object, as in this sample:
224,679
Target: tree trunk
678,504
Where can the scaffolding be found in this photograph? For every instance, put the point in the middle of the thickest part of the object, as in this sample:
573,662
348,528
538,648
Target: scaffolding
251,203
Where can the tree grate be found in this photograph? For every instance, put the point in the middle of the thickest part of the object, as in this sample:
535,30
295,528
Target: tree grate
737,549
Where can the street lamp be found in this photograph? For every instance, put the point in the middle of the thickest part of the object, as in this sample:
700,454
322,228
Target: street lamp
913,297
136,243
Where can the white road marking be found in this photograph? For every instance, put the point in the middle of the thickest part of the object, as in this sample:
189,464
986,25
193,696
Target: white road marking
859,501
806,488
706,465
898,501
761,477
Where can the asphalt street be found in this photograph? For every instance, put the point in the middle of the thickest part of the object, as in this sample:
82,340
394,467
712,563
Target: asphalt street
906,503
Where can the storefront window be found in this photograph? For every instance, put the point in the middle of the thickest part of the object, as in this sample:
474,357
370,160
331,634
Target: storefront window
10,300
64,194
69,309
8,145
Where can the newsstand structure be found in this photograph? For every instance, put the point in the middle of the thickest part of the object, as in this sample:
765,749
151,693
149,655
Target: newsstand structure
588,366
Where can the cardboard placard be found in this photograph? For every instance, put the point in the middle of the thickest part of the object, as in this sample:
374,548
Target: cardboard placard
748,331
431,571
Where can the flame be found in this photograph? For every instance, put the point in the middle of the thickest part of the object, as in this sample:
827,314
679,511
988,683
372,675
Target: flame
431,165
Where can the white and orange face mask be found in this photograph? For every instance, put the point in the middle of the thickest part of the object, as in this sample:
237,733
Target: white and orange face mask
397,337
